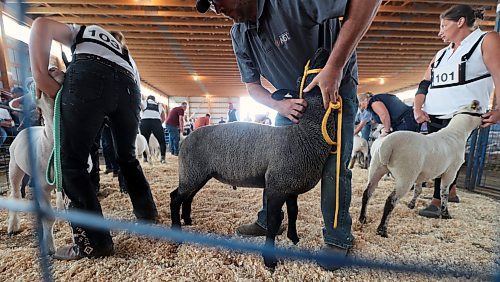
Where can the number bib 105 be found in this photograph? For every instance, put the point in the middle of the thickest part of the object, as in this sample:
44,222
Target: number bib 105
444,75
103,36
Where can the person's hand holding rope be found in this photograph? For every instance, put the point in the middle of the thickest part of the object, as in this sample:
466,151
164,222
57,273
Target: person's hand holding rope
328,80
491,118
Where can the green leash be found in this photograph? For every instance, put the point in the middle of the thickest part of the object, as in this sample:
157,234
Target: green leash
54,164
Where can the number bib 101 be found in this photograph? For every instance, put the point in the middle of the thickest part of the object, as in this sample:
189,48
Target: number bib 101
444,75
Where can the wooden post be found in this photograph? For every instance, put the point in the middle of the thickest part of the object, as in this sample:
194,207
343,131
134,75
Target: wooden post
4,76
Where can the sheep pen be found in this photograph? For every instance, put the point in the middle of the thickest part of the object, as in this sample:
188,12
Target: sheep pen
469,238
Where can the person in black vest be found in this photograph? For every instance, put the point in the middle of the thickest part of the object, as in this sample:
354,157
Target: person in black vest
153,115
101,80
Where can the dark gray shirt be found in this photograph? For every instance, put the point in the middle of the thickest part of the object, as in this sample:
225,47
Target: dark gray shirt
285,36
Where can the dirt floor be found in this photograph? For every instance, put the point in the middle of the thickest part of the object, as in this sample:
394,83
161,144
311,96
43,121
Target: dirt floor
469,241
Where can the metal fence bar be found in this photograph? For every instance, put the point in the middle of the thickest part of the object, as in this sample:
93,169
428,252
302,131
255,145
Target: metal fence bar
470,161
483,144
45,264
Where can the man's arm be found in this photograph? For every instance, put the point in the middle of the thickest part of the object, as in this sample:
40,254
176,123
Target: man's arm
181,123
163,115
359,127
491,50
359,16
290,108
42,33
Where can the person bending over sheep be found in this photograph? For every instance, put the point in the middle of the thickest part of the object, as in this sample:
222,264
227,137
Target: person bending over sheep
389,110
281,59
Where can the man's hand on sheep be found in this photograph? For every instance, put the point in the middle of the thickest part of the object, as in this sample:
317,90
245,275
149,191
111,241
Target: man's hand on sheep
490,118
420,116
328,81
291,108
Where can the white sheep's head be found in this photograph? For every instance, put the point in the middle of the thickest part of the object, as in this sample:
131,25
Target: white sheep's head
469,116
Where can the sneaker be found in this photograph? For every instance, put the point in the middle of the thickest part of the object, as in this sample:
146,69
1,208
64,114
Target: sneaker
430,211
255,230
162,160
335,251
455,199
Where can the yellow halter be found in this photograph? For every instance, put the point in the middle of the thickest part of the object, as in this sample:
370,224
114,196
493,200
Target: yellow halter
333,106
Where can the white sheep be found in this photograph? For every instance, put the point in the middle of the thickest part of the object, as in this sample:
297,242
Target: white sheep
359,152
154,148
141,146
415,158
20,164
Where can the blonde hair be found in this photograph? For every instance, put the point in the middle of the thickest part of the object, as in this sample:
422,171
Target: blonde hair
364,96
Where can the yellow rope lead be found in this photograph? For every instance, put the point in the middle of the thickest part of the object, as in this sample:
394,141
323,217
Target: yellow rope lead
333,106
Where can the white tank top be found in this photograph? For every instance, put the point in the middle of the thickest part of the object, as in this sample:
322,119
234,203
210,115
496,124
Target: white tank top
452,88
149,114
97,41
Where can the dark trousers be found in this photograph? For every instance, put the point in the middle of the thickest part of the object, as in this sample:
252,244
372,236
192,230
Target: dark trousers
153,126
108,149
435,125
407,122
94,89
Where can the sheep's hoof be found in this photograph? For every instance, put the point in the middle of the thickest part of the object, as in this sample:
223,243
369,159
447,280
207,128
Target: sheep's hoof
363,220
411,205
176,225
382,232
446,216
13,233
188,221
294,238
270,262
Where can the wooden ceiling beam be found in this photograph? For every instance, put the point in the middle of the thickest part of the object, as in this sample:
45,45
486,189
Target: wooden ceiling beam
191,3
468,2
170,3
149,20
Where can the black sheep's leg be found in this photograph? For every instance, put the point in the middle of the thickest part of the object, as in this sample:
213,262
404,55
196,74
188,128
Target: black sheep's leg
292,210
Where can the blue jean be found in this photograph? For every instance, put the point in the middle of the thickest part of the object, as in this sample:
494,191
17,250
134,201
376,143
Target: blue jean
173,139
342,235
108,149
407,123
3,135
366,130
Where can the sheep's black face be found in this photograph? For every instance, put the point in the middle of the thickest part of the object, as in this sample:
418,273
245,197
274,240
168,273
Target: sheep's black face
314,97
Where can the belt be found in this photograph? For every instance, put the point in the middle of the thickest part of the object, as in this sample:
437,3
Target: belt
106,62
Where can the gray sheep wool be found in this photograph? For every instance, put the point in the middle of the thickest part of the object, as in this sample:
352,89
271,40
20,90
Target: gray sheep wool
287,161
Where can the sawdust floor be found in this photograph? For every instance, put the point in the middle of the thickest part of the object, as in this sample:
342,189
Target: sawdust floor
469,241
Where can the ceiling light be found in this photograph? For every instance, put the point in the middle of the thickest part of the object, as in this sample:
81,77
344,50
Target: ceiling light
381,81
195,77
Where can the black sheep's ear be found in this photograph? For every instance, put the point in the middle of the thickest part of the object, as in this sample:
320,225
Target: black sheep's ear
282,94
